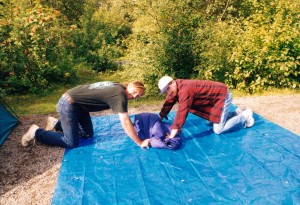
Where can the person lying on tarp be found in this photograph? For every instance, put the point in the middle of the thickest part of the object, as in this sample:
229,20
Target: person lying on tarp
148,125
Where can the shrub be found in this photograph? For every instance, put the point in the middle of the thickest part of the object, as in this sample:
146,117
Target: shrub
267,52
34,44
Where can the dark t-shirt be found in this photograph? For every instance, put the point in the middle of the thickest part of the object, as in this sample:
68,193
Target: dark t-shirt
100,96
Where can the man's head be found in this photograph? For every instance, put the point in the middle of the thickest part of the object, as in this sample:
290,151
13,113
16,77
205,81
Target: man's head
164,83
134,90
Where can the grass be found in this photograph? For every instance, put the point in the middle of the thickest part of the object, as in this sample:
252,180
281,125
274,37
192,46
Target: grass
46,103
35,104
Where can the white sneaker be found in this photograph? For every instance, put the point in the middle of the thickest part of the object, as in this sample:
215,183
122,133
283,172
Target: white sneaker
51,122
29,135
248,115
238,111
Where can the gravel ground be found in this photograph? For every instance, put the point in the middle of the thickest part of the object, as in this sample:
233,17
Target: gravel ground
28,175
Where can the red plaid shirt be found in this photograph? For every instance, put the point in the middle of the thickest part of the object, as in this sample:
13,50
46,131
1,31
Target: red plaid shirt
203,98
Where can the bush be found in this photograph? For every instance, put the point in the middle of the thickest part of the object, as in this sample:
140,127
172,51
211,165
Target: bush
99,41
34,43
268,47
255,53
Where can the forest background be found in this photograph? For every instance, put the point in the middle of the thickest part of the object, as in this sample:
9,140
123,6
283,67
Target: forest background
250,45
48,46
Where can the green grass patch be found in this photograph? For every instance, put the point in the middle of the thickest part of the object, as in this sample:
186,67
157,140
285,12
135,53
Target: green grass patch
35,104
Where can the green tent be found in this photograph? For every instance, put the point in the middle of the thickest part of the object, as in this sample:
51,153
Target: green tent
7,121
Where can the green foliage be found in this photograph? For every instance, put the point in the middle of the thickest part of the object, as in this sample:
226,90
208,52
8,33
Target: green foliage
34,39
249,45
214,46
178,29
162,40
73,10
267,52
85,72
255,53
99,42
226,10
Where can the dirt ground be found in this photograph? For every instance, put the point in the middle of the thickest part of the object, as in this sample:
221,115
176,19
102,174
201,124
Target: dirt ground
28,175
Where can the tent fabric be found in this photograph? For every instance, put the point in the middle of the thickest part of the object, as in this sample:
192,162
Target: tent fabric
149,126
257,165
7,123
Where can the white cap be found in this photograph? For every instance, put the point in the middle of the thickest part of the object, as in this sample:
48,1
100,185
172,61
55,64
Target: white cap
163,83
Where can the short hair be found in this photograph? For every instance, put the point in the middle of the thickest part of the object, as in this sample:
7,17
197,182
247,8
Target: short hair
139,87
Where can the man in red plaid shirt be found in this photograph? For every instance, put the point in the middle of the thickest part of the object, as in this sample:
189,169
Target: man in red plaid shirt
207,99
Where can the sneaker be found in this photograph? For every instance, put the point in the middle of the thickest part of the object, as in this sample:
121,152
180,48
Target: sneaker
238,111
51,122
29,135
248,115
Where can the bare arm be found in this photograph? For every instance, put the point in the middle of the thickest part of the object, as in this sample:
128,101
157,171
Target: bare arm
173,133
128,128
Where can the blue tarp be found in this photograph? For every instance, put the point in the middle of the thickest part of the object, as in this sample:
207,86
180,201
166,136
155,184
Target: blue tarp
258,165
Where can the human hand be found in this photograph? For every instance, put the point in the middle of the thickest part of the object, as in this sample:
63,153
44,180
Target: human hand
172,134
145,143
168,136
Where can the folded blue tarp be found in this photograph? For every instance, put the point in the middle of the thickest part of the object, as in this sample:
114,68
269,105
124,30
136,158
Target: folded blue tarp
258,165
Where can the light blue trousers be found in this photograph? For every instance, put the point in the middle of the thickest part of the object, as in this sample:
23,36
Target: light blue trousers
229,120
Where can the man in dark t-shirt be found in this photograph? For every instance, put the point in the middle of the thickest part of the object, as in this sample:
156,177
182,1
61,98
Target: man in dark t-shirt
74,109
100,96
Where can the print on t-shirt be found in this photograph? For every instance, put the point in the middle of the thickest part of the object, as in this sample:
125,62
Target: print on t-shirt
101,85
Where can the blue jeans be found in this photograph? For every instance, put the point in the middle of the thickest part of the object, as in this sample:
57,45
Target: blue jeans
73,124
229,120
